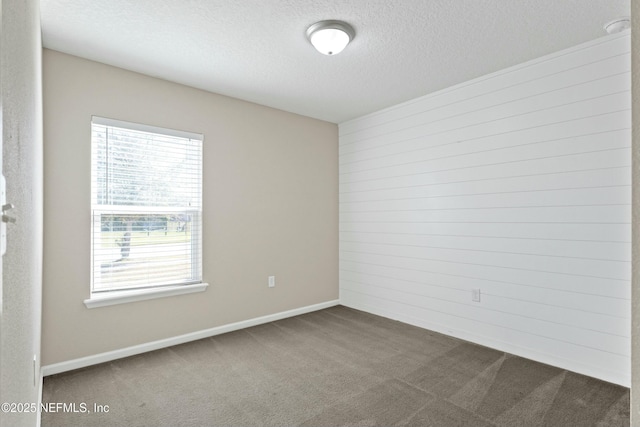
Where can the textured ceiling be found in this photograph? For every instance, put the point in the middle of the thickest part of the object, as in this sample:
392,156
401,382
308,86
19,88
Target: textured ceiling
256,50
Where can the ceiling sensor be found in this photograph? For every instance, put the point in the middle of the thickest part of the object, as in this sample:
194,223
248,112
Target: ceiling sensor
617,25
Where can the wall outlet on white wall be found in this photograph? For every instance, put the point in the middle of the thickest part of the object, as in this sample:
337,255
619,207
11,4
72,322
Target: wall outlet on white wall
272,281
475,295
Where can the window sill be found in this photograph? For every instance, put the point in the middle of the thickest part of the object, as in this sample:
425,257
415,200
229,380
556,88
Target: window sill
123,297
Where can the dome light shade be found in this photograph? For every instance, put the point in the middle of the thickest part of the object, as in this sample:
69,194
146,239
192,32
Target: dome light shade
330,37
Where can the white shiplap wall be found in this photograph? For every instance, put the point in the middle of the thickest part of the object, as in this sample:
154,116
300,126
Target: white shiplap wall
517,184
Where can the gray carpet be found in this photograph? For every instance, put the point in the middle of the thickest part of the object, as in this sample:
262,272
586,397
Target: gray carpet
335,367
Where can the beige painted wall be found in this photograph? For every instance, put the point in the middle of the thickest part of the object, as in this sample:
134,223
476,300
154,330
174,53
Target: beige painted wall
270,208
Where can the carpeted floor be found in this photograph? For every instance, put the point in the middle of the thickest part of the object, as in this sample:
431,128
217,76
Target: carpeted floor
335,367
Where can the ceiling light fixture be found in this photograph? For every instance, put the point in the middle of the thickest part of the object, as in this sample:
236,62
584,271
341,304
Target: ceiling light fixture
330,37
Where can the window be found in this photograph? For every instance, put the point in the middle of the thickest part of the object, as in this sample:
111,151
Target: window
146,207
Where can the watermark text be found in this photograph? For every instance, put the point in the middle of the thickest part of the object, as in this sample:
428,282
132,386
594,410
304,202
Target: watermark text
54,407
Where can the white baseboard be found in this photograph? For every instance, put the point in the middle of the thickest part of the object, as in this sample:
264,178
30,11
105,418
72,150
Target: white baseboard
82,362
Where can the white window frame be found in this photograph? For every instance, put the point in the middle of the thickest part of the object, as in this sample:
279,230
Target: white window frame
118,296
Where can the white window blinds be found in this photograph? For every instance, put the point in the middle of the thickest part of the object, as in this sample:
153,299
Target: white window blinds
146,196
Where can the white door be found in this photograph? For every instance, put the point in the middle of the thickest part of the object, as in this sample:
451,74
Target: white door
3,195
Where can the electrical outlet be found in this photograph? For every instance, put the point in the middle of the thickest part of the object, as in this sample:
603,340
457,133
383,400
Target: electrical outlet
272,281
475,295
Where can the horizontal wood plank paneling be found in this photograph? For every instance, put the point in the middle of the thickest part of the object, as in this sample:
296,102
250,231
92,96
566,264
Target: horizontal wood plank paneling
517,184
